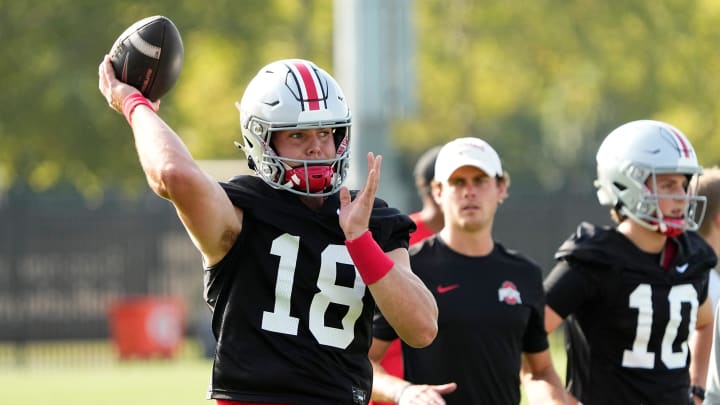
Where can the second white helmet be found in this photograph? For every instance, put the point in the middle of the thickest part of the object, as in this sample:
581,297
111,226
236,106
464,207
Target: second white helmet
638,151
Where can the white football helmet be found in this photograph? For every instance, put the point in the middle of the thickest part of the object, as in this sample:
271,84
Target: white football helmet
295,94
635,152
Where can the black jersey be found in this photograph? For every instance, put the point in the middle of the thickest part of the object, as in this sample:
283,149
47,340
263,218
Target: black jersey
291,314
627,336
491,309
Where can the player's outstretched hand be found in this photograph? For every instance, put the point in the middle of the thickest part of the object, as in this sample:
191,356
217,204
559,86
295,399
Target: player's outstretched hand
426,394
113,89
355,214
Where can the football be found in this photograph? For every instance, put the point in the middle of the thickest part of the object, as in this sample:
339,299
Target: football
149,55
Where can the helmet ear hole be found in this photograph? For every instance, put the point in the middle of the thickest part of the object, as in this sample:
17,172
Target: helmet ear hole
338,135
251,163
619,186
689,178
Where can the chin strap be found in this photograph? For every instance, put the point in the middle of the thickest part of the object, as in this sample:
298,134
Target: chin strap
315,179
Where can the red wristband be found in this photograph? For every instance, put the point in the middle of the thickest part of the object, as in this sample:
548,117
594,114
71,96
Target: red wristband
133,101
370,261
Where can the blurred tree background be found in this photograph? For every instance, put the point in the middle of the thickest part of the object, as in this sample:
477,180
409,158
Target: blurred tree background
543,81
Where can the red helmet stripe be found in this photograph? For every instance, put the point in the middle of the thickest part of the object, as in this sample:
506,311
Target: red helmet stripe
681,141
309,85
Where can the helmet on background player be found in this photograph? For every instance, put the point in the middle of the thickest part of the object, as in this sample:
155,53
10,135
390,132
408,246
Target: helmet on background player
295,94
638,151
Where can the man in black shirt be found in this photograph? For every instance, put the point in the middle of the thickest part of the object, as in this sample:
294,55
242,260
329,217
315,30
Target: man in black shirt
490,299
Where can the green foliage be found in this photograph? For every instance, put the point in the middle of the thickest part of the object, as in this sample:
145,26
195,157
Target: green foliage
543,81
56,127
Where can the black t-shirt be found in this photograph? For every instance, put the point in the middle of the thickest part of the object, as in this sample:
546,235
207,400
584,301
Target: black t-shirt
291,314
630,318
491,309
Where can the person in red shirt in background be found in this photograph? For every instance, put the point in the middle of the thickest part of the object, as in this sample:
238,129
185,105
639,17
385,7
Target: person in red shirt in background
429,220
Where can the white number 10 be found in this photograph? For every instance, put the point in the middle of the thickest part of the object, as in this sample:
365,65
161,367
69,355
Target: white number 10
279,320
641,298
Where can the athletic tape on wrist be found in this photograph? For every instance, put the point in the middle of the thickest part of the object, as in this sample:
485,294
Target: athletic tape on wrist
370,260
131,102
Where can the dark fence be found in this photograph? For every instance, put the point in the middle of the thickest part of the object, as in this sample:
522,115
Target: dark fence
63,265
537,223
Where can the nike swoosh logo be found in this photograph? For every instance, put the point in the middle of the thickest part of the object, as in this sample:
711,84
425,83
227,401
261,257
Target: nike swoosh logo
442,289
681,269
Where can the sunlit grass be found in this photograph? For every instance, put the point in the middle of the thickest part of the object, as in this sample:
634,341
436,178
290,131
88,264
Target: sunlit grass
89,373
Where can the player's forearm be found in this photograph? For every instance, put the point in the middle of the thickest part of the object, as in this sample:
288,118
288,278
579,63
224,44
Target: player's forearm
163,156
700,345
403,299
385,387
545,388
542,392
540,380
407,305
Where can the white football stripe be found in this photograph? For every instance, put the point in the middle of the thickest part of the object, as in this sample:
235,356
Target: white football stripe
145,48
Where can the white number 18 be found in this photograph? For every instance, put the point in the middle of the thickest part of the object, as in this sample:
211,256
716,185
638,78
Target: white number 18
279,320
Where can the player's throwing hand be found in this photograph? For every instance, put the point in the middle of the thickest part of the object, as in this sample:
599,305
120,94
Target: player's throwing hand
355,214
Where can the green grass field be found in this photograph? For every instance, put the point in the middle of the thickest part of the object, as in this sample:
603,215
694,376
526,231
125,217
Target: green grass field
43,374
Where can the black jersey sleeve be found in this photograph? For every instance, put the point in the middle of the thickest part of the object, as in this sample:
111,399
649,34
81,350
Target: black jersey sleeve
699,252
577,370
390,227
569,286
382,329
535,338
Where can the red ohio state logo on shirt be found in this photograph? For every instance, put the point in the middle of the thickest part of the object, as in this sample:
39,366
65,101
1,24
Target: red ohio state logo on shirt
509,294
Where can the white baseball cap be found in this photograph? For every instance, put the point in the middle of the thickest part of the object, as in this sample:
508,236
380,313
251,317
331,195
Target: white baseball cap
467,152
